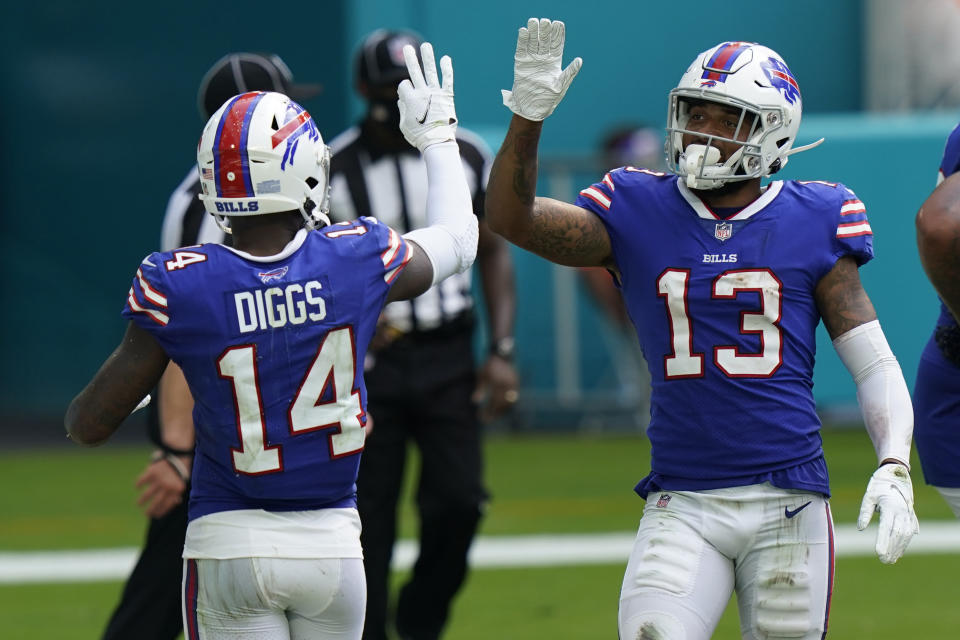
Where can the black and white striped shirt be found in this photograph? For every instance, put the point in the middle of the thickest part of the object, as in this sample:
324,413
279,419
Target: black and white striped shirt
392,187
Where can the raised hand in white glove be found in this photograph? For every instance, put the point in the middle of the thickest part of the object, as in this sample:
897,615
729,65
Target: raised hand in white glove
890,492
427,115
538,82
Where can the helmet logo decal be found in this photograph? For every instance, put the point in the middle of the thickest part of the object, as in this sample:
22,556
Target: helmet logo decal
230,160
298,123
722,61
781,79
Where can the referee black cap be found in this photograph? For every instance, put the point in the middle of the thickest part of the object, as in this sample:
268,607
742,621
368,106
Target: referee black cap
379,60
240,72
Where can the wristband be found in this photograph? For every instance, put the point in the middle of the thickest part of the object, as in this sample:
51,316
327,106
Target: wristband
174,463
505,348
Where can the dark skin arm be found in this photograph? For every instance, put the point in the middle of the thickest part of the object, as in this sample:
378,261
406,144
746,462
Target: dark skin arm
841,299
938,241
498,377
415,278
127,375
844,305
555,230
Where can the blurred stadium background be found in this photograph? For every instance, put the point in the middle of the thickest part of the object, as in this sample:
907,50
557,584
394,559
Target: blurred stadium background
100,123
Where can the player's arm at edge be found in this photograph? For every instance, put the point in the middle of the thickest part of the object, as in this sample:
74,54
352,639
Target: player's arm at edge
852,324
884,402
557,231
126,376
938,241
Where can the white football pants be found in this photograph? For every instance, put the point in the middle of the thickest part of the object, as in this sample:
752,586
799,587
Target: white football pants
274,598
774,547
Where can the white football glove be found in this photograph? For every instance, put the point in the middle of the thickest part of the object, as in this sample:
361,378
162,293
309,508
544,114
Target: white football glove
891,493
427,115
538,83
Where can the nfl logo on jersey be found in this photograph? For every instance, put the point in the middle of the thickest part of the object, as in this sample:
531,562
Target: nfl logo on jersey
723,231
663,500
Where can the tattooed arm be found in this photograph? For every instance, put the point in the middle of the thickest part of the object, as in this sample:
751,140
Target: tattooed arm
841,299
555,230
129,374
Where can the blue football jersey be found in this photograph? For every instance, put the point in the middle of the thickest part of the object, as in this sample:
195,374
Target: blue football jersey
936,394
725,313
273,352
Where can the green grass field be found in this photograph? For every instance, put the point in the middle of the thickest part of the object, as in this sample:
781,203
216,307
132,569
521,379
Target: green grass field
81,499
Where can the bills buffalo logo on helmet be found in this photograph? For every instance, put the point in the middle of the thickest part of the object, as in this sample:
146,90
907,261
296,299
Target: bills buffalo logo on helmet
780,78
297,123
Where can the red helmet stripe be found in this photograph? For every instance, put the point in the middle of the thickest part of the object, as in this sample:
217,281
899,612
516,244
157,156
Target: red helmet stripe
231,163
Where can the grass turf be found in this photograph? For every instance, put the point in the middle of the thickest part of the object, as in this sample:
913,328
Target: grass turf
76,499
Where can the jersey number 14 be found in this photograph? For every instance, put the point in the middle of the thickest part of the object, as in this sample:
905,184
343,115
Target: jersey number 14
331,373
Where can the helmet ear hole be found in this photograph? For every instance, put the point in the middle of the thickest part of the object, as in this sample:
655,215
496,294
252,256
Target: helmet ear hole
782,141
312,182
274,124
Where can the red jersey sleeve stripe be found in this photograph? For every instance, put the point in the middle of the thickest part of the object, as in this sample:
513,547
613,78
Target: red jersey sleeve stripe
391,275
150,293
160,318
597,196
852,229
393,249
850,207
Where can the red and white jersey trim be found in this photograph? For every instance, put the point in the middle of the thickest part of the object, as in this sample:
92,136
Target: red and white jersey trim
597,196
851,229
157,316
149,292
392,274
850,207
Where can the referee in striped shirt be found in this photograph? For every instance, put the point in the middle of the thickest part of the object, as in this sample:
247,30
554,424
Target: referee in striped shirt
423,386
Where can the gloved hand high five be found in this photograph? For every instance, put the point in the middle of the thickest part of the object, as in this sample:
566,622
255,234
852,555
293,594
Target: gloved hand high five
427,114
539,84
890,492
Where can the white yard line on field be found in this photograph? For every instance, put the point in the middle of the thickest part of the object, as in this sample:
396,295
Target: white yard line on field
493,552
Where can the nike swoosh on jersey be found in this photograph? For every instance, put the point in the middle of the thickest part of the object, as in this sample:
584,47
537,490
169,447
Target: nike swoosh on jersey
787,512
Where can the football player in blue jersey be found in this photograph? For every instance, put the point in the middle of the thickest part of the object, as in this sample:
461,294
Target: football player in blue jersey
271,335
936,392
725,280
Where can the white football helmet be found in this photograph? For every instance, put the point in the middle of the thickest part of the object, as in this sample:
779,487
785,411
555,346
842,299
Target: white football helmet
261,153
748,77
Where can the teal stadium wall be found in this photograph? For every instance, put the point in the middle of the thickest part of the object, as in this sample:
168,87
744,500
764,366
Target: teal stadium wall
99,124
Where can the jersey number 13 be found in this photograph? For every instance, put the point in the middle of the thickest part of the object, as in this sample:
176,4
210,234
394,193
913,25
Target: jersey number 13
683,362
